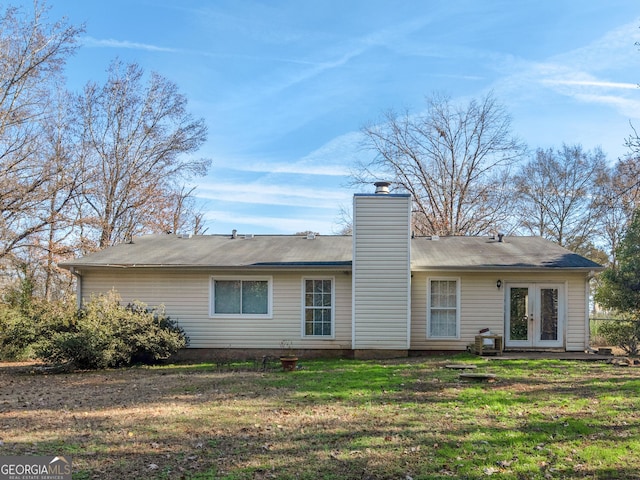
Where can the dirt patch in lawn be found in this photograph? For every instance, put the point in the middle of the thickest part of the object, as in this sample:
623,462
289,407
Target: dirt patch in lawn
114,424
393,419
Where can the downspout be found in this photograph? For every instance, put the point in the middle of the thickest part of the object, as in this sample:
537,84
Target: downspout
354,271
409,277
587,293
78,276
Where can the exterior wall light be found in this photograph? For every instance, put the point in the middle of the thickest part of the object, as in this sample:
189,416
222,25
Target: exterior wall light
499,283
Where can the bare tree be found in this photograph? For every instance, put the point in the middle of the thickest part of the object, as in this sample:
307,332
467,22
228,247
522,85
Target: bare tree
632,142
453,159
52,205
627,173
178,212
622,194
32,55
58,239
136,137
344,222
620,197
560,195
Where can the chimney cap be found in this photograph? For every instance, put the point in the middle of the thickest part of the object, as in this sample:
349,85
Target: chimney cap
382,188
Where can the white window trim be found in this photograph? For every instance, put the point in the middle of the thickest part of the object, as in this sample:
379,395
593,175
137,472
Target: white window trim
449,279
269,281
333,308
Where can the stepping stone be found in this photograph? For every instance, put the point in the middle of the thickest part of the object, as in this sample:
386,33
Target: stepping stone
461,366
478,377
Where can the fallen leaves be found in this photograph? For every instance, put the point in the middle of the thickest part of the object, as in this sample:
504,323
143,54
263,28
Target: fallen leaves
206,424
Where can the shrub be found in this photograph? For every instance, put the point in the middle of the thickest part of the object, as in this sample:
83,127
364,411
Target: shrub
23,326
106,334
17,333
82,349
150,334
623,333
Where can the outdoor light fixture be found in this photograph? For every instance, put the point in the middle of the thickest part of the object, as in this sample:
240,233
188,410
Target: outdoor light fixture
499,283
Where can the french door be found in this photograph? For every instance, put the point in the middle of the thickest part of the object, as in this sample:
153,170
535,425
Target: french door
534,315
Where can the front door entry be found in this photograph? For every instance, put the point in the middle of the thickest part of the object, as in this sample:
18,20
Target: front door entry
534,315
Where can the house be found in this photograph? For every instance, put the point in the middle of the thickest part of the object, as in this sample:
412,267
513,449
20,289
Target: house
379,292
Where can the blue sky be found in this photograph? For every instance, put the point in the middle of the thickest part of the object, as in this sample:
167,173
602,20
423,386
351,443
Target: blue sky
286,85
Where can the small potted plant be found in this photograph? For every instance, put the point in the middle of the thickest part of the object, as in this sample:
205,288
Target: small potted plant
288,359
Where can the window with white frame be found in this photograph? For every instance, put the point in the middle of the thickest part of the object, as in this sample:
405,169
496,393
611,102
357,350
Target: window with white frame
241,297
443,307
318,307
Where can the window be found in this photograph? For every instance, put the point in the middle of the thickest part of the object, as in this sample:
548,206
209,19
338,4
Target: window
241,297
318,307
443,297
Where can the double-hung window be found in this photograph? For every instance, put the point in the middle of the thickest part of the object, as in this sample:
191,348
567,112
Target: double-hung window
443,308
241,297
318,304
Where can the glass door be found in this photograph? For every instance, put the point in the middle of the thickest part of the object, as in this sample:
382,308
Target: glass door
548,316
519,306
534,315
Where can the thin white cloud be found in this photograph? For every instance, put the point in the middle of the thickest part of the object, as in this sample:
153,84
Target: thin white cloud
112,43
384,37
269,194
332,57
592,83
247,224
333,159
626,106
310,169
589,74
295,168
586,89
460,77
613,49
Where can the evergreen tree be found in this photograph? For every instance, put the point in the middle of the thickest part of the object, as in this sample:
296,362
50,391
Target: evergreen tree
619,287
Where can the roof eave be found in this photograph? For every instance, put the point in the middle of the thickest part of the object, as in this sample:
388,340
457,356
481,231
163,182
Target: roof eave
279,265
503,268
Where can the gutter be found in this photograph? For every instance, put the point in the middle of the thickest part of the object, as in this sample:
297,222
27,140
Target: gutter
504,268
587,322
266,265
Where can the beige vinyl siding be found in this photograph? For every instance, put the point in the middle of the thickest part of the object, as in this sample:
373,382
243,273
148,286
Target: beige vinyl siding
381,285
577,329
482,305
186,297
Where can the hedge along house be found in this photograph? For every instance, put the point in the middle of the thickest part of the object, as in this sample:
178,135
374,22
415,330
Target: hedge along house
379,292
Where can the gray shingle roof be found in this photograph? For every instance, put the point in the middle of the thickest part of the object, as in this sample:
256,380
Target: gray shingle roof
268,251
223,251
484,253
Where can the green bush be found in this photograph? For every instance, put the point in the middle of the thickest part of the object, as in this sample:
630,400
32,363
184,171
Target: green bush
17,334
106,334
82,349
22,326
102,334
150,334
623,333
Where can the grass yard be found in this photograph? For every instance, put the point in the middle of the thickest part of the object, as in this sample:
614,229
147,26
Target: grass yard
336,419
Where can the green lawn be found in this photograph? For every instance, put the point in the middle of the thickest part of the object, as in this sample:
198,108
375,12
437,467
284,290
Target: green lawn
334,419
